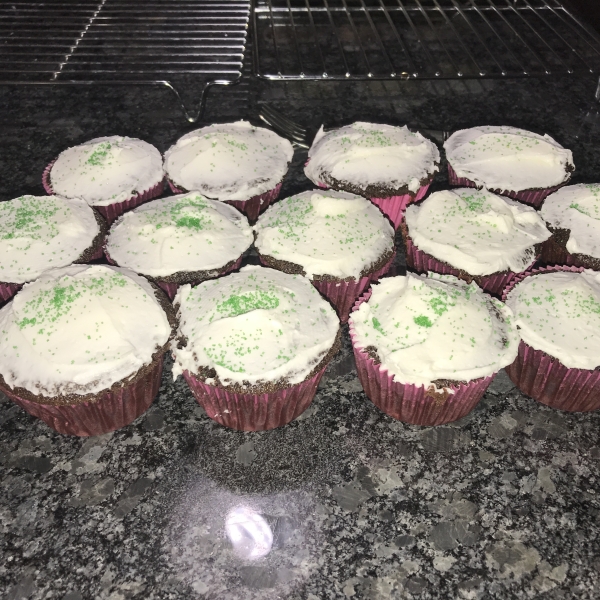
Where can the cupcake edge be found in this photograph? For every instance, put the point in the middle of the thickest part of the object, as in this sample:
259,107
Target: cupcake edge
543,377
409,403
112,212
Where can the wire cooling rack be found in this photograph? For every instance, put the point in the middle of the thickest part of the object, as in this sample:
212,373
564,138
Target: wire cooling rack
428,39
176,43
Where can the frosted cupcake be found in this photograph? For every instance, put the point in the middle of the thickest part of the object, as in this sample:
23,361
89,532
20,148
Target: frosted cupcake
573,216
235,163
391,166
181,239
509,161
82,347
557,311
253,346
112,174
38,233
427,347
474,235
340,241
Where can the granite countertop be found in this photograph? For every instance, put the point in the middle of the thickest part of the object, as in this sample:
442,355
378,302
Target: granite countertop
345,502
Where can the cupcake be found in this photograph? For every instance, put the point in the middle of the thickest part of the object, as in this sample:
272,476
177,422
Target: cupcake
253,346
558,313
181,239
235,163
509,161
474,235
38,233
391,166
112,174
428,346
340,241
573,216
82,347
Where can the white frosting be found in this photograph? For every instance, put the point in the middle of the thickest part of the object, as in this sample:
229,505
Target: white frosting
79,329
364,154
559,313
507,158
38,233
107,170
476,231
326,232
425,328
232,161
252,327
181,233
576,207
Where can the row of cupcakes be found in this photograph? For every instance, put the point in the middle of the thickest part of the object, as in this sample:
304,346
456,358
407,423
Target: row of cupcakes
82,347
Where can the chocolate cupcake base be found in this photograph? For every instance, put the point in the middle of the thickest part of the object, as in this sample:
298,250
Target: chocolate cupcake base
252,207
534,196
554,251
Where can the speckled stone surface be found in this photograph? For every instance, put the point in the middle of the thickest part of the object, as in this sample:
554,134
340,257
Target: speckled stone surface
345,502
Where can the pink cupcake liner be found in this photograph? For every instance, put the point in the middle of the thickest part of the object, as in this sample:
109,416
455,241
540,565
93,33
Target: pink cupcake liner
113,211
393,207
111,411
421,262
8,290
532,197
254,412
544,378
342,295
410,403
251,207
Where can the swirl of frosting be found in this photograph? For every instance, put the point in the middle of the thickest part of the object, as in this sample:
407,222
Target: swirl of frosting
79,329
576,208
508,159
559,313
325,232
107,170
367,154
430,327
38,233
231,161
180,233
252,327
476,231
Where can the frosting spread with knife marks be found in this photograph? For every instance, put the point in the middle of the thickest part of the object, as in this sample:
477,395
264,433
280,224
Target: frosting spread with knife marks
476,231
507,158
187,232
38,233
107,170
79,329
368,154
230,161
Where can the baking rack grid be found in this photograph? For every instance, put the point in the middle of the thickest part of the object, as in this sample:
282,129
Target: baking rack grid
428,39
164,42
194,44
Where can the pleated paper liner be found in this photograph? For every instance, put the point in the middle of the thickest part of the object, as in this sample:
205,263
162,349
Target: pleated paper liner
109,411
112,211
343,294
421,262
545,379
8,290
254,412
533,197
415,404
251,208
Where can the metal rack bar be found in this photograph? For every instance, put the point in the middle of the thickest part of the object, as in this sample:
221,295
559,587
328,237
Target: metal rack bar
411,64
